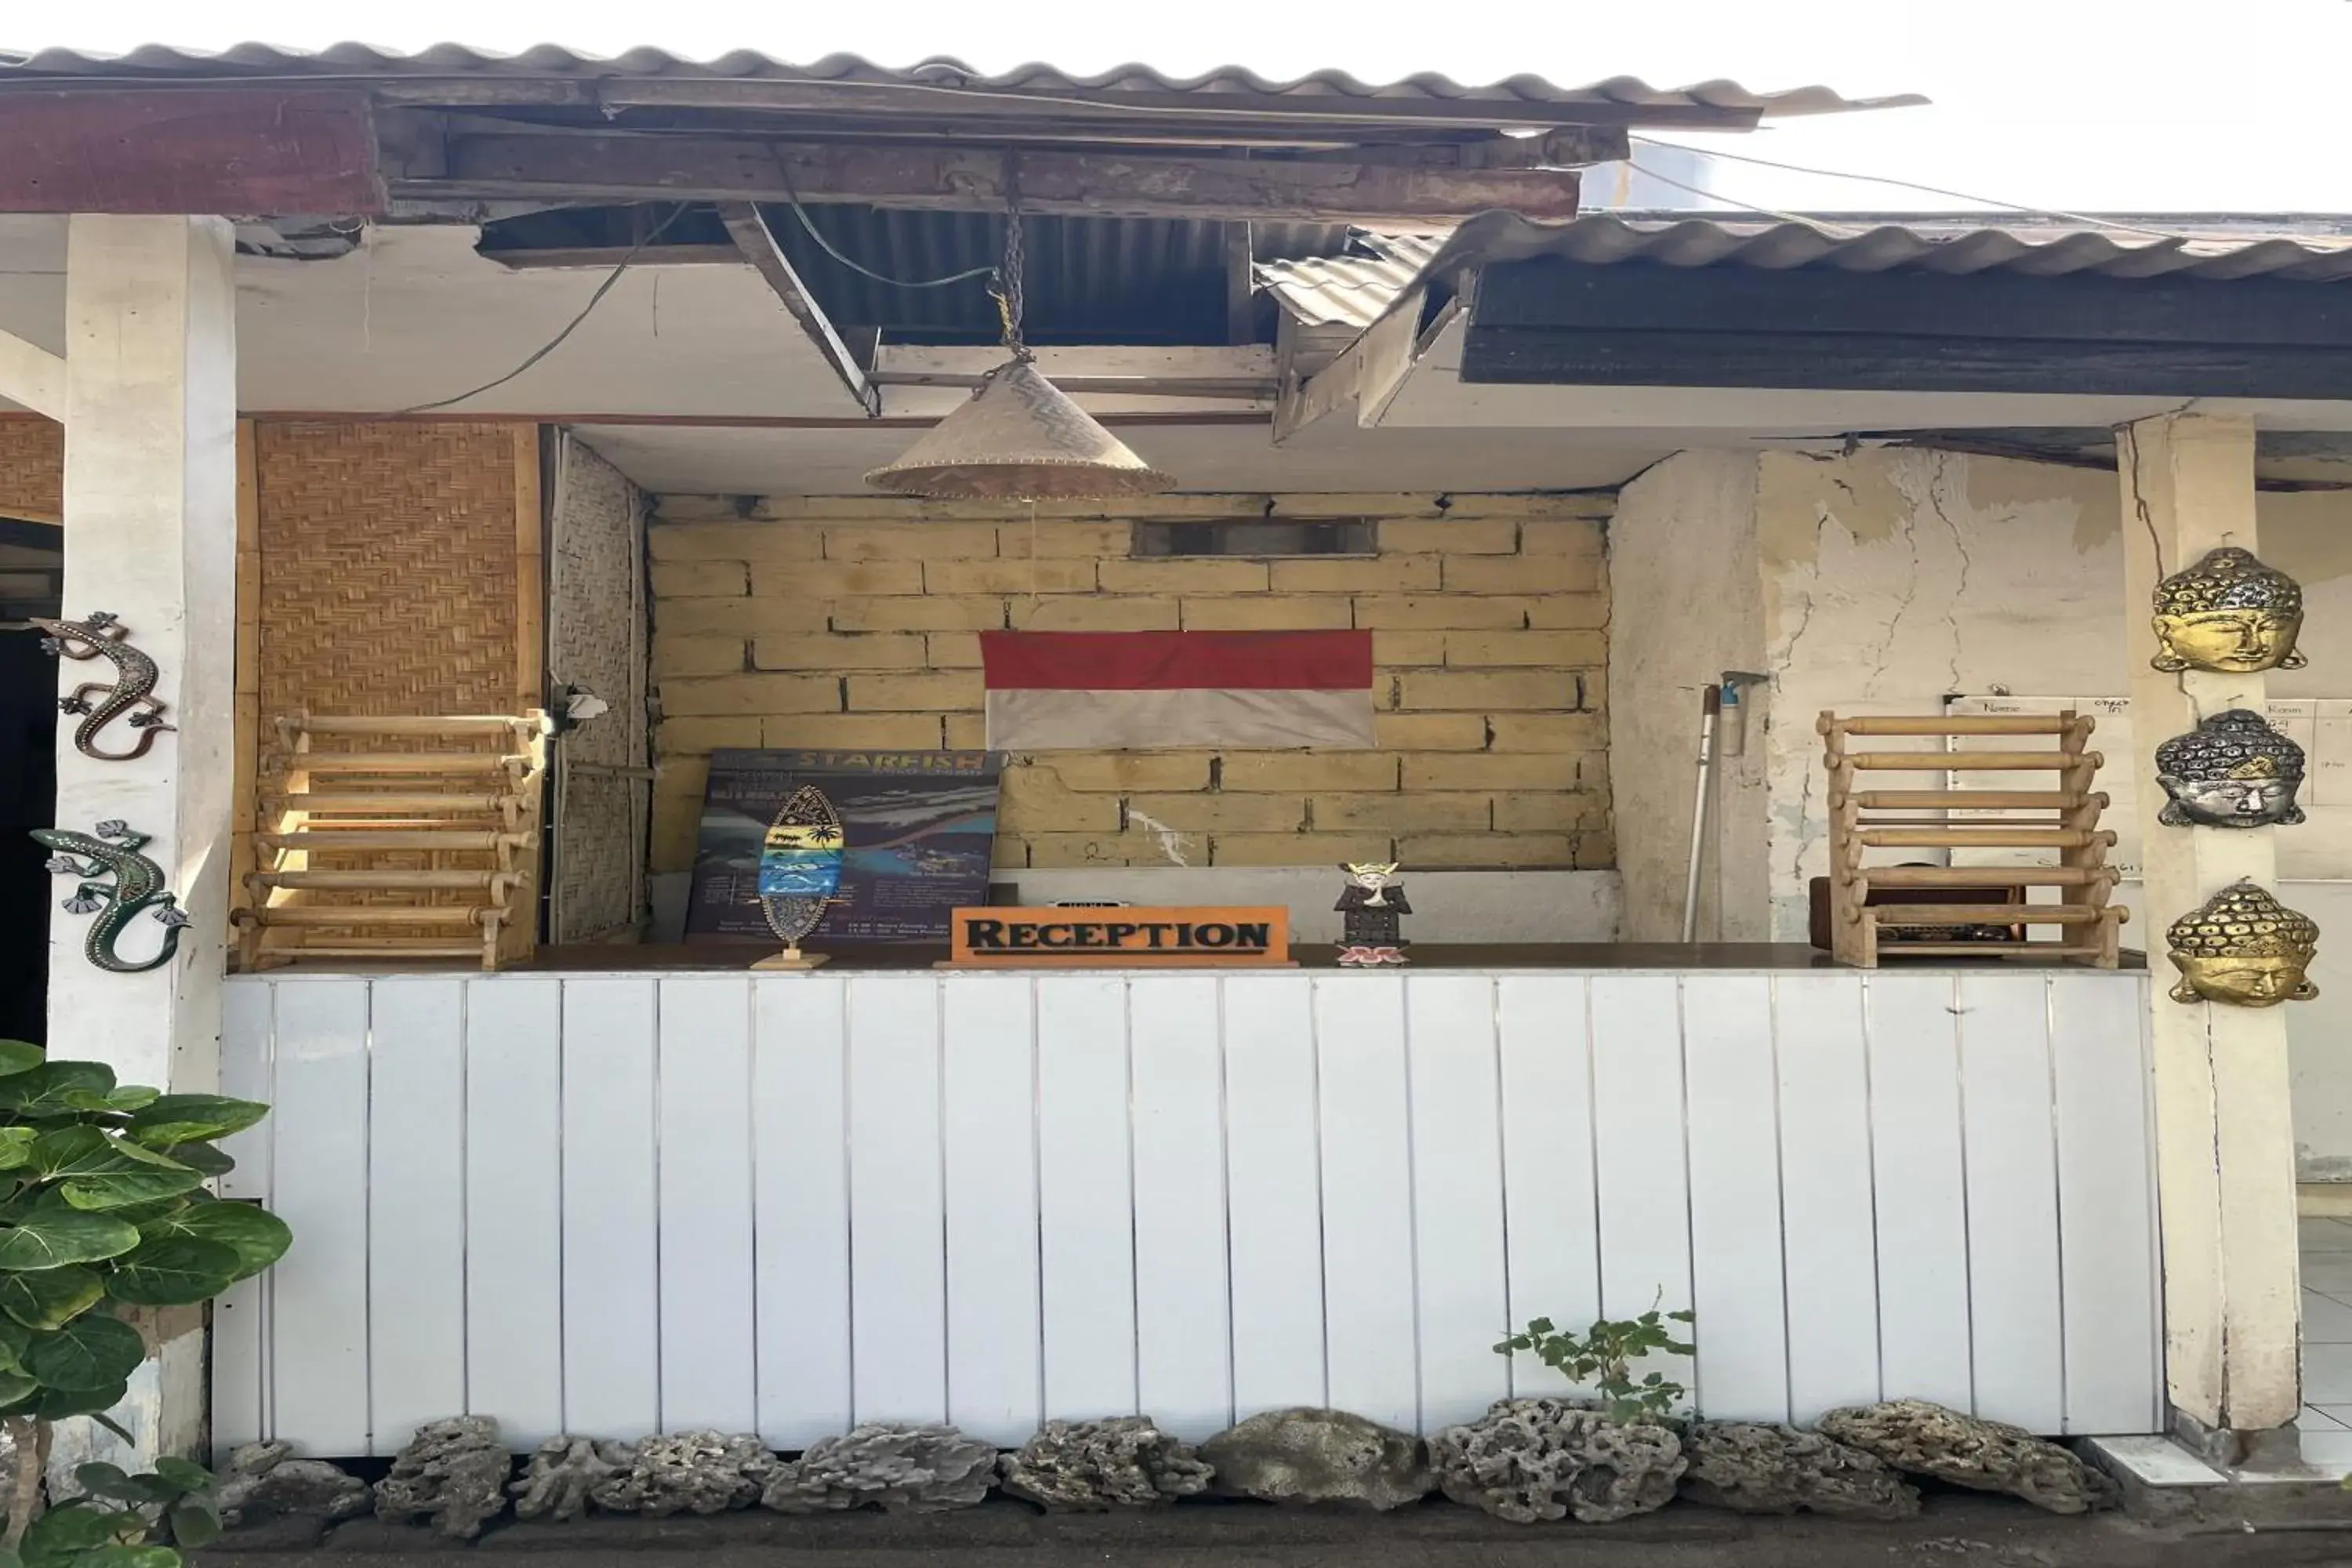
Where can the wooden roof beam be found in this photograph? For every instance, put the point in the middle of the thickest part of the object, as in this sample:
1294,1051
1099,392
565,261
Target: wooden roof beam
262,149
842,103
621,167
759,249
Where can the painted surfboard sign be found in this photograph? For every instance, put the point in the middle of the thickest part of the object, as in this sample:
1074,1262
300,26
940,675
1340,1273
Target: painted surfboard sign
799,864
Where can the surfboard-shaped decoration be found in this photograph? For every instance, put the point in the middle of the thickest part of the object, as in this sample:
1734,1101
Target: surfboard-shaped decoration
800,871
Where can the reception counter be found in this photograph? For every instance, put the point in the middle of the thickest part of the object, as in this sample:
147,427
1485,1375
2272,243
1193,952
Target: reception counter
624,1195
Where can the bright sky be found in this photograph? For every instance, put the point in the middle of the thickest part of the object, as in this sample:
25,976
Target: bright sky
2163,105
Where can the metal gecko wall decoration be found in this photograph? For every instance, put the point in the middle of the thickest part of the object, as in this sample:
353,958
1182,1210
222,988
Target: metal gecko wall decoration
98,635
112,850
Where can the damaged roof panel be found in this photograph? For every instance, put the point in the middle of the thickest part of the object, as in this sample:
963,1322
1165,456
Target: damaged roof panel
1350,290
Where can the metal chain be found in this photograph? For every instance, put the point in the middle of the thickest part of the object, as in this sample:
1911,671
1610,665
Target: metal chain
1007,288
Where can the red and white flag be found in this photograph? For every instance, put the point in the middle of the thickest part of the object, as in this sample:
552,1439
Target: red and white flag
1118,691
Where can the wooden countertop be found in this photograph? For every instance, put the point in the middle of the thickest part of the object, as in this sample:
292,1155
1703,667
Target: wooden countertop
1439,956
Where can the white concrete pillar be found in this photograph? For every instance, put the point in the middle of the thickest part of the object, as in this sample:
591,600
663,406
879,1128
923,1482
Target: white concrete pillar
150,536
2225,1133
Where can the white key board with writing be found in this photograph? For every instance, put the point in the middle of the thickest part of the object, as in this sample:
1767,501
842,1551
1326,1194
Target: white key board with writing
2320,847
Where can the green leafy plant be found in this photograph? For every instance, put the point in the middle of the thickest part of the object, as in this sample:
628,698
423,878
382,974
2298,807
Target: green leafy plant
1602,1358
116,1522
103,1217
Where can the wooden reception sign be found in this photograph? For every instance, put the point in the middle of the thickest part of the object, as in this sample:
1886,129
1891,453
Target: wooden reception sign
1115,938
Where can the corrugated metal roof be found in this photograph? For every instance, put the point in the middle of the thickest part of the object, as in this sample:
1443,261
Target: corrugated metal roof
1134,280
1350,290
152,61
1356,290
1953,245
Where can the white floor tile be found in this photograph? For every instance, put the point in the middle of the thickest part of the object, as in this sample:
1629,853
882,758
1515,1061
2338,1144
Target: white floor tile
2329,1452
2328,1271
2326,1236
2326,1320
2313,1419
2341,1415
2327,1375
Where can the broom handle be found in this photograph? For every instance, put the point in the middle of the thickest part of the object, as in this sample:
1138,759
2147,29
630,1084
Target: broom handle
1710,710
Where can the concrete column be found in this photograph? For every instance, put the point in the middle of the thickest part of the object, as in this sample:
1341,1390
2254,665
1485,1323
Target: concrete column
150,534
2225,1134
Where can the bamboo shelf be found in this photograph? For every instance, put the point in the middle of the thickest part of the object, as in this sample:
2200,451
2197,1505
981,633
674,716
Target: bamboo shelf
2063,821
425,848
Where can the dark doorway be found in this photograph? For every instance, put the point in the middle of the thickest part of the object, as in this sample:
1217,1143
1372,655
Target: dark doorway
32,564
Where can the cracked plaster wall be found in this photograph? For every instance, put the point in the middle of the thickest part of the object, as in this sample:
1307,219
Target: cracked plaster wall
1891,578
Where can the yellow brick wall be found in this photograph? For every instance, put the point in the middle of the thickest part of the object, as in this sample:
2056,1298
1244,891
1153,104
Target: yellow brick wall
853,622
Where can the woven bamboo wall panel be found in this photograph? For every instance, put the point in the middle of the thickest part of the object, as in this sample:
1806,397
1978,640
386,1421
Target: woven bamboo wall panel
32,469
388,568
595,621
596,641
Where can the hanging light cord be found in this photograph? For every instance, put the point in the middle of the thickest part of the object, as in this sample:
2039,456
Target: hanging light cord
1006,288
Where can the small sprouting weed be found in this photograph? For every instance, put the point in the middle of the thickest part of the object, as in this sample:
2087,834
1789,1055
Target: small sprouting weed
1602,1356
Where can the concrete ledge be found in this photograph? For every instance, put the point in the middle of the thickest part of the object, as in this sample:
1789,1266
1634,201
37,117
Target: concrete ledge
2165,1483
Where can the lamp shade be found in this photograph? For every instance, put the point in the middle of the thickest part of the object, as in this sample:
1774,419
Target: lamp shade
1019,438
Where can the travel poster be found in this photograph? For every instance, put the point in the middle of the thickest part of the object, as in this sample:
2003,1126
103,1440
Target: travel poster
916,829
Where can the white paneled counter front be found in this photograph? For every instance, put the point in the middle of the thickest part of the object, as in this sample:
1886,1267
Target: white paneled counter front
607,1203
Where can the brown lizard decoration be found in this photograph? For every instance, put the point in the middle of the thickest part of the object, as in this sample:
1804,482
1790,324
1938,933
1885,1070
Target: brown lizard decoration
101,633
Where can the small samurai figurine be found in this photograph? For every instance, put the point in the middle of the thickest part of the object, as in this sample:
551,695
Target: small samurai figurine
1371,904
2232,771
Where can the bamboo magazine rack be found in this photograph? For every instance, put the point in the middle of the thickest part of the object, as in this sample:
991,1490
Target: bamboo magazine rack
423,848
2062,820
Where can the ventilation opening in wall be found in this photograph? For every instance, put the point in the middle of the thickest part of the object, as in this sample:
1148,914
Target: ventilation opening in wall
1350,536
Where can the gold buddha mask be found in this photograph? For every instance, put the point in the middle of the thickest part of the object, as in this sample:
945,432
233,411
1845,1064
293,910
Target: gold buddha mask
2228,613
2243,949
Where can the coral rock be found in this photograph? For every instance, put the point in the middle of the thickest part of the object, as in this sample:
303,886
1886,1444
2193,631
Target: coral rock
688,1472
455,1472
1530,1459
909,1469
265,1480
1088,1467
1989,1456
1752,1467
558,1476
1318,1455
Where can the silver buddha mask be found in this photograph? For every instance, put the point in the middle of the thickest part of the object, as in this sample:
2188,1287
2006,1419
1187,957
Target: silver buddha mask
2232,771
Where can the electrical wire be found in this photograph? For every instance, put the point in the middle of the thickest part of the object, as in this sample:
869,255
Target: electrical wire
1823,224
792,199
826,246
627,260
1883,180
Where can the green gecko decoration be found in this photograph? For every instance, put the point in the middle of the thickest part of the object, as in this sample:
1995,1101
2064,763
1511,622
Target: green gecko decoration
138,885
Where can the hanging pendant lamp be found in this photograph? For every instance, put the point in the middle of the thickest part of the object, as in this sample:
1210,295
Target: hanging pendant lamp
1021,437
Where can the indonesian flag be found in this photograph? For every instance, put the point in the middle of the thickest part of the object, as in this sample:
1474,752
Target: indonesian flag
1120,691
